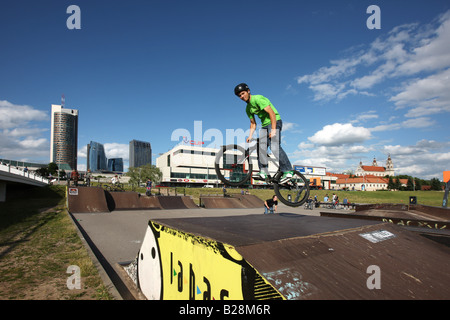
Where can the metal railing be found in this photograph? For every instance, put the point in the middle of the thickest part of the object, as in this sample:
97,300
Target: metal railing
22,172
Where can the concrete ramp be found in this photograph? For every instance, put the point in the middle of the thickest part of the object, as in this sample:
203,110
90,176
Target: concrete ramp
287,257
86,200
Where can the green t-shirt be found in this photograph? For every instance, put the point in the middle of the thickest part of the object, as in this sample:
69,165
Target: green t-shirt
256,106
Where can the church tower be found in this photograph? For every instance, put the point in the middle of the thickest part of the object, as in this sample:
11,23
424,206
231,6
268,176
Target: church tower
389,166
374,163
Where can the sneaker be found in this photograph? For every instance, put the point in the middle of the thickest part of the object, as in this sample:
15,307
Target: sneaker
260,176
286,176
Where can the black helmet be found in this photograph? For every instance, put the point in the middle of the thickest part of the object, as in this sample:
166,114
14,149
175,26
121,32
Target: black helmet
241,87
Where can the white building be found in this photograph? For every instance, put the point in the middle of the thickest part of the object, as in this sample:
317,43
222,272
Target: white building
317,176
188,165
375,169
194,166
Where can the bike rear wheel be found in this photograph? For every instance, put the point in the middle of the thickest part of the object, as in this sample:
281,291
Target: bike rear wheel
233,166
294,192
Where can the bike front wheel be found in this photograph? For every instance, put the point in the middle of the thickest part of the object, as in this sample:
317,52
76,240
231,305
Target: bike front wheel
294,192
233,166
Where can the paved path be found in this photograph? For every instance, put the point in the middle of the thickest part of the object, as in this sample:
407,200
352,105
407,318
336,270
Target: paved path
116,237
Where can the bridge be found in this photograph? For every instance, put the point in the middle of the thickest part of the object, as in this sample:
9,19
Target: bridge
12,175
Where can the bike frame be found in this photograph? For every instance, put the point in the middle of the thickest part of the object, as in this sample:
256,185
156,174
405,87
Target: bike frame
234,156
250,149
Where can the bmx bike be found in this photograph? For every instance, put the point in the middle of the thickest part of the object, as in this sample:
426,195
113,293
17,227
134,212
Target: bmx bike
114,187
234,168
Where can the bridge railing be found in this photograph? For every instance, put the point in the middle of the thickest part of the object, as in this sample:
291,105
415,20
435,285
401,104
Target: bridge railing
22,172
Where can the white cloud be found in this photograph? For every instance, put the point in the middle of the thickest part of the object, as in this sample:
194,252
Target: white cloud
410,50
82,152
117,150
433,51
20,137
12,115
422,122
426,159
333,147
426,96
365,116
339,134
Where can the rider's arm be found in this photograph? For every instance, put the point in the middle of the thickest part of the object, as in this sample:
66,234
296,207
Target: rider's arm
273,121
252,129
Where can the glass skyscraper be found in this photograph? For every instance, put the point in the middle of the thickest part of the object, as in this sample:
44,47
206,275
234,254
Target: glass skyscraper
96,157
140,153
64,137
115,164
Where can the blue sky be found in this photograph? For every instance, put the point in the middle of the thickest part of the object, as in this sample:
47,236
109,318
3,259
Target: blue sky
142,69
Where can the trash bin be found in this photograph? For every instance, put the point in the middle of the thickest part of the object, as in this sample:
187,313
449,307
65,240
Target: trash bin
413,200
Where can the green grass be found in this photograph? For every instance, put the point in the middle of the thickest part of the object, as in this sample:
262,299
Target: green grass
430,198
38,242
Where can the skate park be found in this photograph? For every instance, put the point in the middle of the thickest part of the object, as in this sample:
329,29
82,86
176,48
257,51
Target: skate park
167,247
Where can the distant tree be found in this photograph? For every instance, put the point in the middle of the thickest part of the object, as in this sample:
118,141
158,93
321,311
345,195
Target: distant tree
143,173
436,184
418,183
43,172
410,184
52,168
391,184
397,184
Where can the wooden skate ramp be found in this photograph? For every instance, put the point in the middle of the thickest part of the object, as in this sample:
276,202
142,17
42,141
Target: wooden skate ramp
149,202
176,202
221,202
232,201
404,215
123,200
95,199
189,203
289,257
86,200
251,201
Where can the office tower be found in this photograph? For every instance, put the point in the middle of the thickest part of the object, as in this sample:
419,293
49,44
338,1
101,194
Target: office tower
64,137
96,157
115,164
140,153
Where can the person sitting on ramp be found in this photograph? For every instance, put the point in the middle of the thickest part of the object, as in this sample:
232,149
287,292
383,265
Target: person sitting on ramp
269,205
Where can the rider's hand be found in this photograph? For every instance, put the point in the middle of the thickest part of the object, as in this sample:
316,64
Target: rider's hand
273,133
